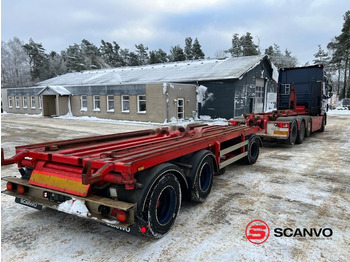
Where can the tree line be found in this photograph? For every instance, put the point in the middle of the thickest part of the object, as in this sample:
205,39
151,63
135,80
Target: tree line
23,64
337,59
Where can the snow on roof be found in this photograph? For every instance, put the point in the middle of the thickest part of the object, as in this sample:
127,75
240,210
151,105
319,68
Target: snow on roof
59,90
187,71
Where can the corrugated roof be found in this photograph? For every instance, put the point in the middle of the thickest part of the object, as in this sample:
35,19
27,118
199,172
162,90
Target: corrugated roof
187,71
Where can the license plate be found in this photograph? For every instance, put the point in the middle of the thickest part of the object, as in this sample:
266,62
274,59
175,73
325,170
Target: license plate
28,203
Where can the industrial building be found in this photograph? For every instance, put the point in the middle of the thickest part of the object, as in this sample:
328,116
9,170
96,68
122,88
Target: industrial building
154,93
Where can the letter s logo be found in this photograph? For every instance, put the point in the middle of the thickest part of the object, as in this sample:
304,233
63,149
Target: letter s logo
257,232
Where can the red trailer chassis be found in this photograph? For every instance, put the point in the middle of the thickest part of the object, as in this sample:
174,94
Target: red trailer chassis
117,177
291,125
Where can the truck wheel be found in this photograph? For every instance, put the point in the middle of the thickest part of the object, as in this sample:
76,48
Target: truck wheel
293,132
253,149
201,175
301,133
163,205
308,128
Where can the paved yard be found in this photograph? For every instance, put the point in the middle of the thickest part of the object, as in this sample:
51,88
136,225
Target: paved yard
303,186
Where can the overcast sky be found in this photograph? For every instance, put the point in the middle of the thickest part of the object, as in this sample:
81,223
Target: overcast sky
299,25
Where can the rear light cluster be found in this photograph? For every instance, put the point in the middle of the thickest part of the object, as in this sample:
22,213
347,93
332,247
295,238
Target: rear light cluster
282,125
235,123
121,215
20,188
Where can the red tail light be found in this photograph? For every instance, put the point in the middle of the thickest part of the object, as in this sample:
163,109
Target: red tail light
143,230
10,186
119,214
21,189
281,125
234,123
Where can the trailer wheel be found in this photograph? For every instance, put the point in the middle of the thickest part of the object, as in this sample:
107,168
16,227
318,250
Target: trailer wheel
308,128
253,149
201,175
301,133
293,133
163,205
221,172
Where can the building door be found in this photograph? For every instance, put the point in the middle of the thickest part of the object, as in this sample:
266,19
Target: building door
259,95
49,105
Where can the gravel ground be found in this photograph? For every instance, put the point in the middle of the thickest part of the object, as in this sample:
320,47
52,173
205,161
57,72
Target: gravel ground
302,186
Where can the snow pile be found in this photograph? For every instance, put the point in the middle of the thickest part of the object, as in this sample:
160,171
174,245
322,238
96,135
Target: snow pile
20,115
338,112
104,120
164,88
75,207
203,96
274,72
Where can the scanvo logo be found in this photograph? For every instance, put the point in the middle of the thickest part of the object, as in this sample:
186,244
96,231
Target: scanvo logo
257,232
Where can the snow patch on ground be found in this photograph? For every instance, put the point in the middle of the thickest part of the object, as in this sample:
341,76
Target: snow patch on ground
338,112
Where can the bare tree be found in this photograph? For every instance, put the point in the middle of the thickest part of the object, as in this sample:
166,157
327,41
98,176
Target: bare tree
15,66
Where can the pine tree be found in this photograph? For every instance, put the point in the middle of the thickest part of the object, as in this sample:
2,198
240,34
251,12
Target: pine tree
158,56
188,48
124,56
340,47
279,59
142,55
248,46
236,48
110,53
197,50
177,54
133,59
92,55
74,58
321,57
38,60
57,66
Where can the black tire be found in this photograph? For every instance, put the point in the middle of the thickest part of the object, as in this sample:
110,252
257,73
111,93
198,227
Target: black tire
201,176
293,133
323,124
221,172
163,205
253,149
301,133
308,129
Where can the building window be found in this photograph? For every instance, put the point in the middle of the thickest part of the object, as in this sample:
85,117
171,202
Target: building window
83,103
180,108
110,103
25,102
32,102
141,104
40,102
97,103
17,101
286,89
125,104
10,101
